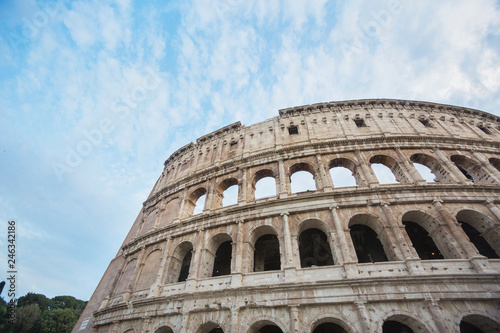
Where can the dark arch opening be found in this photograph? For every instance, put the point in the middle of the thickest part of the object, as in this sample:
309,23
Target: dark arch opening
391,326
222,262
270,329
422,242
495,162
329,328
479,242
217,330
186,263
314,249
164,329
367,245
267,254
466,327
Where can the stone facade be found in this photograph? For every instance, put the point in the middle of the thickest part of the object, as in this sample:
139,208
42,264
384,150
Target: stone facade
410,256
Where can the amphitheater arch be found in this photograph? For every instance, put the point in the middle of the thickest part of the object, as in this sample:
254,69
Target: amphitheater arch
126,277
341,326
393,165
475,323
180,263
424,233
192,202
346,164
308,185
478,227
210,327
221,192
437,169
217,256
365,231
164,329
471,169
390,323
149,270
260,179
495,162
314,246
266,326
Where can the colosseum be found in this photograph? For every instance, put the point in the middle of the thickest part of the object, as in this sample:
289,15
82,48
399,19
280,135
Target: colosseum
345,249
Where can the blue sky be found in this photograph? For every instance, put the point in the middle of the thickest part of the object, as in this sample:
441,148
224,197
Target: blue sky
95,95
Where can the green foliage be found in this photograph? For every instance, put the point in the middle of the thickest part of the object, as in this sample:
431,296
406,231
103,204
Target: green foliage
26,317
32,298
36,313
58,321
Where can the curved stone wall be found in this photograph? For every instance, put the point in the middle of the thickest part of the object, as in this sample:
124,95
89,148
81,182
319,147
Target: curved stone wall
418,254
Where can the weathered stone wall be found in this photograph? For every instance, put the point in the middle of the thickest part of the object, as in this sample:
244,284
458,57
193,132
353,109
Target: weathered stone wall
140,291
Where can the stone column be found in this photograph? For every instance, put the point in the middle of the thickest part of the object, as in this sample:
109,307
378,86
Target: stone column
487,165
242,188
210,196
341,247
237,271
363,315
494,209
395,239
159,278
287,241
294,319
235,313
409,168
283,181
138,268
194,269
324,176
369,177
456,173
437,315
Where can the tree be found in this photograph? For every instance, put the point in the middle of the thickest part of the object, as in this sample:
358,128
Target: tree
4,319
26,317
32,298
58,321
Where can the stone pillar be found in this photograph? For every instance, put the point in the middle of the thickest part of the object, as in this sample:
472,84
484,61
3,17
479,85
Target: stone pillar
340,245
235,313
156,288
288,242
242,188
457,174
294,319
138,268
369,177
396,240
210,198
237,271
494,209
437,315
487,165
283,181
409,168
194,269
325,179
363,315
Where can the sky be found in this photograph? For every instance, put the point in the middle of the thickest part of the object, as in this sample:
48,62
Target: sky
95,95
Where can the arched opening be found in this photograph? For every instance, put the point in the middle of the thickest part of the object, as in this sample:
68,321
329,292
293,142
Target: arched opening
179,263
210,327
425,172
265,188
387,170
343,173
227,193
230,196
430,168
495,162
479,242
329,328
222,261
149,270
367,245
392,326
196,202
302,178
200,204
126,277
478,324
471,169
422,242
186,264
269,329
267,254
478,227
314,249
164,329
